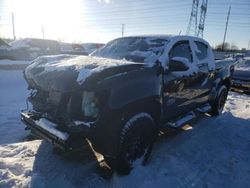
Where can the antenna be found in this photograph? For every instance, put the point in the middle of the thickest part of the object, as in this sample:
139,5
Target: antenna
202,18
192,25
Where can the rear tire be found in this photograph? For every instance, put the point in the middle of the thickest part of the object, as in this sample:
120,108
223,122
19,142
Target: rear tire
136,140
218,103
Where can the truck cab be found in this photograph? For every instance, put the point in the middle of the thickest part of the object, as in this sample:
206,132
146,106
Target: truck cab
123,94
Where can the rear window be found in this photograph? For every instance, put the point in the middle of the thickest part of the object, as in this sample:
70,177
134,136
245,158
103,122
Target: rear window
201,51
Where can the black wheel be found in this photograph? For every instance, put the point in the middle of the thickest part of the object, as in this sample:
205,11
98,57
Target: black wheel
136,140
218,103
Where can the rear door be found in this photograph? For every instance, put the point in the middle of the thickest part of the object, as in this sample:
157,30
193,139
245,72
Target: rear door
203,60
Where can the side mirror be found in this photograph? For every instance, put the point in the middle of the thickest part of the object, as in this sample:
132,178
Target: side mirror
178,64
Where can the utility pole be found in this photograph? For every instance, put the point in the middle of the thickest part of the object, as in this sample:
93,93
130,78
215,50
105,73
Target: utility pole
192,25
43,32
223,44
248,45
122,30
13,26
202,18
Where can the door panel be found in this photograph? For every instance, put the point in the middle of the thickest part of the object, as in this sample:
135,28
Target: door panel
206,76
179,89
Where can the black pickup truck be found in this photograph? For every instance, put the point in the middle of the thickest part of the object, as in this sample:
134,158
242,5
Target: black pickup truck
120,96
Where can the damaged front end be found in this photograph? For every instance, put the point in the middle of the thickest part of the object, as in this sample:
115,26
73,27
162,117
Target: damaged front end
64,119
73,99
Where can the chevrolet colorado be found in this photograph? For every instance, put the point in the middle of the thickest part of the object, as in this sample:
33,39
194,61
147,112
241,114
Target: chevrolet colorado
120,96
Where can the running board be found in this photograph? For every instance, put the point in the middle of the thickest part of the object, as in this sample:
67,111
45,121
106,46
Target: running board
204,109
182,121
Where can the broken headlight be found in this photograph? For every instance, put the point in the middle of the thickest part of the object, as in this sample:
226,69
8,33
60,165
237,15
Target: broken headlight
90,104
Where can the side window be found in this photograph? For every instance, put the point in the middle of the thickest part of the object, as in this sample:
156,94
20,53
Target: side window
181,49
201,51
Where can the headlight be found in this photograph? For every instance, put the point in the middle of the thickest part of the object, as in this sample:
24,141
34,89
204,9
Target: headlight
89,104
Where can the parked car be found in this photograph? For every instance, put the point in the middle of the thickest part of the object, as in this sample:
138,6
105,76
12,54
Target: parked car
91,47
3,45
238,56
29,49
72,49
121,96
241,76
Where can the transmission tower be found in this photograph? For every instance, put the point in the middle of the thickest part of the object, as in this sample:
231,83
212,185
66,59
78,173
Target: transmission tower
202,18
192,25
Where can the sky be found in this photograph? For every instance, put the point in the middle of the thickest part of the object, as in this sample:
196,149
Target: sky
102,20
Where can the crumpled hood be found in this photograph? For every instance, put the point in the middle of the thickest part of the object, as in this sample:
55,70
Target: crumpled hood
66,72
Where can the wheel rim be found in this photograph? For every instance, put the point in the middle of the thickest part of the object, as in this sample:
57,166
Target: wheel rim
137,145
222,100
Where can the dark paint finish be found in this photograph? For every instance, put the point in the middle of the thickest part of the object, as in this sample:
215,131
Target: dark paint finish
129,89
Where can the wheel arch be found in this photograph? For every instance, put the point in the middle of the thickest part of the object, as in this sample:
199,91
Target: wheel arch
152,106
226,82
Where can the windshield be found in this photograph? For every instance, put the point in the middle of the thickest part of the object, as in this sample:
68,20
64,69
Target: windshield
136,49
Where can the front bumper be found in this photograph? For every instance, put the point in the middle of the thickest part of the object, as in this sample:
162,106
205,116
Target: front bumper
64,139
239,85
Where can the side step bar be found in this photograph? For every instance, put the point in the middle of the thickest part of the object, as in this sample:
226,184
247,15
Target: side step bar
182,120
204,109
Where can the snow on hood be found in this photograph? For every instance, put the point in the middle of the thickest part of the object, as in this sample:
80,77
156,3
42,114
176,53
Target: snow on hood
85,66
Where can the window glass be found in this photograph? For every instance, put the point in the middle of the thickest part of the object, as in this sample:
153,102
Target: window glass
136,49
181,49
201,51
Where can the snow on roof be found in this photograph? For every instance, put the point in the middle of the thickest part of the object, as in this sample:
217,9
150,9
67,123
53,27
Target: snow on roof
167,36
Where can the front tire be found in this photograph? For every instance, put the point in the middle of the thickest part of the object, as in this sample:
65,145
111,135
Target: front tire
136,140
219,102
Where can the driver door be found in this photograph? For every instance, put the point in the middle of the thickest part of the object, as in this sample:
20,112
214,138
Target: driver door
179,89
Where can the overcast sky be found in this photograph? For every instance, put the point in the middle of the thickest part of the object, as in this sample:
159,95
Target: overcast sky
101,20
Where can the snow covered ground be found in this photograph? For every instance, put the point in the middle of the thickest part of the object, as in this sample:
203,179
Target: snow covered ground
12,62
214,153
6,64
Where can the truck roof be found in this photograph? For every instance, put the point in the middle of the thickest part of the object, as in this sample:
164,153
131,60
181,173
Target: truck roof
164,36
